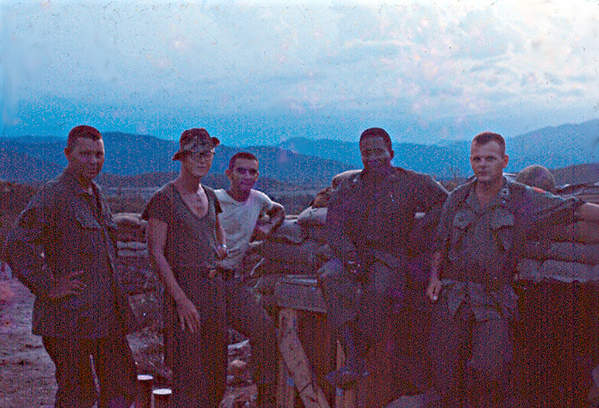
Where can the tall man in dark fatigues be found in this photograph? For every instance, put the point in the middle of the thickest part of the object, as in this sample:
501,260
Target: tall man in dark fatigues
482,228
61,250
369,220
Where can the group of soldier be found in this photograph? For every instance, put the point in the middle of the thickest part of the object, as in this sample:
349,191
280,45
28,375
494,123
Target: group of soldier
62,249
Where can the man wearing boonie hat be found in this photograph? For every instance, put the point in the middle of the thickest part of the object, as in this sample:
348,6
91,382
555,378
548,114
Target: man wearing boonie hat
185,241
195,140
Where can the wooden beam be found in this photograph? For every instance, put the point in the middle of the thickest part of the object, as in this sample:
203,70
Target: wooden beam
297,362
344,398
285,387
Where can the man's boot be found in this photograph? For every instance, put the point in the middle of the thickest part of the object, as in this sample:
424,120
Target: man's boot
353,370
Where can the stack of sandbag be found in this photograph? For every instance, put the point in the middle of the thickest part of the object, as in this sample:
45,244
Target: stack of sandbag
556,337
290,250
132,254
130,227
297,247
563,261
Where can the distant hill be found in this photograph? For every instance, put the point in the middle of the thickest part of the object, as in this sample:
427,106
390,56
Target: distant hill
128,155
440,161
155,180
552,147
300,161
20,167
556,147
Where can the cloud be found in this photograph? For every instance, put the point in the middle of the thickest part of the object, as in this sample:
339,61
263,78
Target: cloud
149,62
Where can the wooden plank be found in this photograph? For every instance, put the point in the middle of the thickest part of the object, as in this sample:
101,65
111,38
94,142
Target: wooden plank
299,292
297,362
285,387
343,398
320,346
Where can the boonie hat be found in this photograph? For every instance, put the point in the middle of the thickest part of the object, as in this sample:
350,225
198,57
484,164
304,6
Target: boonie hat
194,141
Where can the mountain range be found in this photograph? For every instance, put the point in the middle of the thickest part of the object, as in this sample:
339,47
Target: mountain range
552,147
295,162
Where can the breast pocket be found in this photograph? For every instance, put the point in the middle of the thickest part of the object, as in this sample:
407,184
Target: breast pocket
502,225
88,224
461,222
89,237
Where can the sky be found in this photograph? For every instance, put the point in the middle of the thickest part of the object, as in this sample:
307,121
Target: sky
261,72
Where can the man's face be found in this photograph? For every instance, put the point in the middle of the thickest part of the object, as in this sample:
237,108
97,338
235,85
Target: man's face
488,162
244,174
375,154
86,158
197,164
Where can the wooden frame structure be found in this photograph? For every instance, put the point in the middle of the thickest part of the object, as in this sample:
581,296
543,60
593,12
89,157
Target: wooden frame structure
296,375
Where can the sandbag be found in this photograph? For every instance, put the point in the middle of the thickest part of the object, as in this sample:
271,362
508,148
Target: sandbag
304,253
322,198
534,270
528,269
289,231
341,177
312,216
563,251
130,227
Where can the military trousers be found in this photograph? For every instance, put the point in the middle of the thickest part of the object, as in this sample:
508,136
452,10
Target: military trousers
471,360
199,360
77,360
365,302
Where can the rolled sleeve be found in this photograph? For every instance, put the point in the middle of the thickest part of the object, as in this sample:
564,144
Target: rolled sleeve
546,209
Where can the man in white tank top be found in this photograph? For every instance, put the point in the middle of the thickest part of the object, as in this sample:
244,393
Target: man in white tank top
244,208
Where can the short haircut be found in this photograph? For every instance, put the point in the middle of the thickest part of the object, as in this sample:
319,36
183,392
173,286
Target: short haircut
82,132
487,137
377,132
241,155
537,176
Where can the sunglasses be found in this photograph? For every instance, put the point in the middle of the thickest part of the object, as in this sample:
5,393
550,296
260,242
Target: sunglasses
199,156
243,170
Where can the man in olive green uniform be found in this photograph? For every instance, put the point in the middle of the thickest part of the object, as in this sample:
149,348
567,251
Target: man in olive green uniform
482,228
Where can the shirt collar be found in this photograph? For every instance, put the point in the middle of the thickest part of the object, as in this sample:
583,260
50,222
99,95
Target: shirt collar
70,180
388,175
502,198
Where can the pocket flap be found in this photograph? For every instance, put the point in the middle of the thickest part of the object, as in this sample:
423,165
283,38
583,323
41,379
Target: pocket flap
87,221
502,219
462,219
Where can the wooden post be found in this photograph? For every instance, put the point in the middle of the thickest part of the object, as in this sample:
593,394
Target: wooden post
297,362
285,388
344,398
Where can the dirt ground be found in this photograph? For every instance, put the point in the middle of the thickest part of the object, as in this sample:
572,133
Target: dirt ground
26,371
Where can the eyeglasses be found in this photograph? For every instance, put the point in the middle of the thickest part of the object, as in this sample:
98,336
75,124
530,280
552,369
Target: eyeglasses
243,170
200,156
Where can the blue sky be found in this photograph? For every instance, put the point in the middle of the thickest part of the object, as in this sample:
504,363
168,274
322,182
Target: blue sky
259,72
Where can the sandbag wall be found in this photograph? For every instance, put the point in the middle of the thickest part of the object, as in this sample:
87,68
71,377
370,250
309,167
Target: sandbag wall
297,247
135,272
556,337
